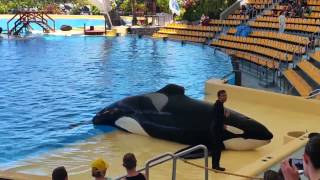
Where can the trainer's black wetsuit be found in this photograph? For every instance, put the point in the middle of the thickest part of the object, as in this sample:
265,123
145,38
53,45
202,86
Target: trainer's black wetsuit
216,130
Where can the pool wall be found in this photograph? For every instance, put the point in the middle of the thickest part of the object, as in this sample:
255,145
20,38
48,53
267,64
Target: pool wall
290,118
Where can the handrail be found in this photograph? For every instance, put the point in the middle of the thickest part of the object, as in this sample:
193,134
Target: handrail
159,160
314,93
54,22
205,151
170,156
232,8
10,21
26,17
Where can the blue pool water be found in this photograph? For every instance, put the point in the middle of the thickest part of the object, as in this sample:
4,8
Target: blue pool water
49,83
60,22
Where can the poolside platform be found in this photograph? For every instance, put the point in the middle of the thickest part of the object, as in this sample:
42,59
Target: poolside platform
94,32
289,124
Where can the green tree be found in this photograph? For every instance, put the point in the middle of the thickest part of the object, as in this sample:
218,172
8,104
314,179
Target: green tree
126,6
3,9
163,6
95,10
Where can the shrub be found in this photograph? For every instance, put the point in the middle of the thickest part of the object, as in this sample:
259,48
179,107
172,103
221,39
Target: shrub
76,10
95,10
3,9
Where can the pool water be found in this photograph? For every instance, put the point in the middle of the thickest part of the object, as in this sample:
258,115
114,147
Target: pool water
50,83
76,23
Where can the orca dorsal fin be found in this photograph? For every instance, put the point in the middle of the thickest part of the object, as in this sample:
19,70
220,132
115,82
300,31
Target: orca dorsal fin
172,89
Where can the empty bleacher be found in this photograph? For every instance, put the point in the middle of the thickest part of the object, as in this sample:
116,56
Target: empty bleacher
303,21
290,38
313,2
305,78
194,27
315,56
271,53
274,44
302,87
218,22
279,8
267,2
312,71
184,32
238,17
289,27
180,37
253,58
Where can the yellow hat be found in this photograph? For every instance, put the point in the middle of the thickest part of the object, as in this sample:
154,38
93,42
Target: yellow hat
100,164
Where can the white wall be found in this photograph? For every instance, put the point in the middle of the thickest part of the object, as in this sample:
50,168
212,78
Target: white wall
103,5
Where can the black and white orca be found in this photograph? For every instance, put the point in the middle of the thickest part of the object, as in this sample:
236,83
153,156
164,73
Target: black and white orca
169,114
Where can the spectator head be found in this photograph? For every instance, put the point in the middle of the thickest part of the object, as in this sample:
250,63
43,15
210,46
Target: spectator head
129,161
99,168
311,157
59,173
272,175
222,96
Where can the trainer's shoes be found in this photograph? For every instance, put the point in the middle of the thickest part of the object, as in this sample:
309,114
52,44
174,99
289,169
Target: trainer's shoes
219,168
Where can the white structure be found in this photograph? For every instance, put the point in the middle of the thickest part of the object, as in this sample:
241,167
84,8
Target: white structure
103,5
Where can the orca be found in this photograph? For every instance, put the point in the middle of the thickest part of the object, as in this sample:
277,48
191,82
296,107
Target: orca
171,115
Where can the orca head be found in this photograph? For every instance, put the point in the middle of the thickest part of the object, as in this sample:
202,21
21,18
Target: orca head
110,114
244,133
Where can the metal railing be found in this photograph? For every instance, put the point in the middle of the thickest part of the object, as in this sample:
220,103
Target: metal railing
314,93
26,17
174,157
230,9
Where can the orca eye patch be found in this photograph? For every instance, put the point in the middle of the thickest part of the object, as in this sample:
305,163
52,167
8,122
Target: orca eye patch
234,130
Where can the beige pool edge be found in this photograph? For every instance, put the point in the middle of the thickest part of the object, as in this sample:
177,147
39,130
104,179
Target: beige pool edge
290,104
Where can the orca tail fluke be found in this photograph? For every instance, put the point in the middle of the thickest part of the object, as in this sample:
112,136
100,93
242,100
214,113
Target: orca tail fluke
193,155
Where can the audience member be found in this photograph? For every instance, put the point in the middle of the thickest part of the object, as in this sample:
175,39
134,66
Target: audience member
311,161
272,175
282,23
99,169
59,173
130,163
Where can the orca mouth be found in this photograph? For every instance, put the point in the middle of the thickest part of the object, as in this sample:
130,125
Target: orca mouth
267,135
110,114
97,120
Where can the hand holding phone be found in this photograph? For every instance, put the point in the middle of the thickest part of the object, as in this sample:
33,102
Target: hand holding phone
298,163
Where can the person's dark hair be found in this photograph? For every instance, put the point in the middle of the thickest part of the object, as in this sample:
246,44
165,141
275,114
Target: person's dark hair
220,92
96,174
313,150
311,135
129,161
59,173
272,175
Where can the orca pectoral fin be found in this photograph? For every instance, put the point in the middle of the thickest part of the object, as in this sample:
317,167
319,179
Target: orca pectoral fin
193,155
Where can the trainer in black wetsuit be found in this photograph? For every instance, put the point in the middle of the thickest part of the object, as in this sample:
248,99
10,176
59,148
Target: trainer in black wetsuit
216,129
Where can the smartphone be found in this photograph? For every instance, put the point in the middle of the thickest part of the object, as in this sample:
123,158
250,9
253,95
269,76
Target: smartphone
298,163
